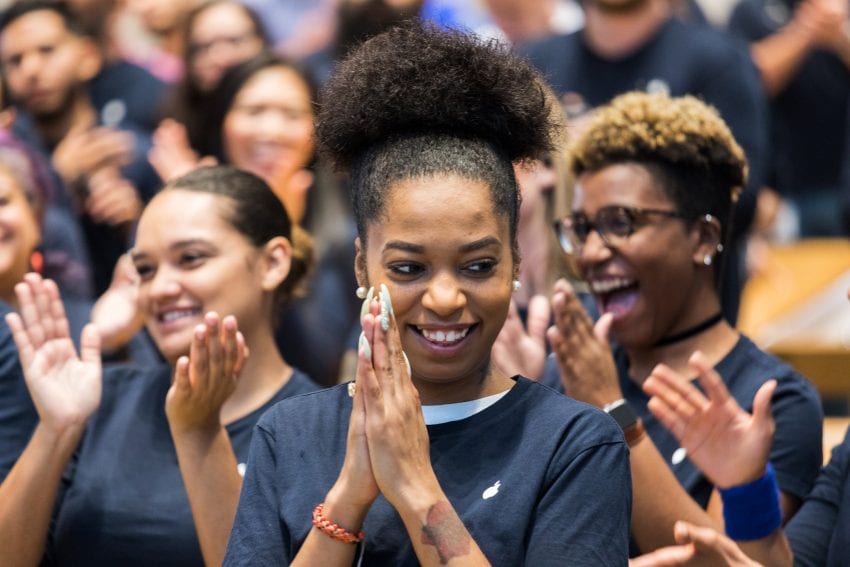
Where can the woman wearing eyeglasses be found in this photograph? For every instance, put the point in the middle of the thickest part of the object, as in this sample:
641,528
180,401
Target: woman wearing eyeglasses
656,181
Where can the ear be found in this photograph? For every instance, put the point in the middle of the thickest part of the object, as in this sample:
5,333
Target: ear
277,260
91,60
707,236
360,264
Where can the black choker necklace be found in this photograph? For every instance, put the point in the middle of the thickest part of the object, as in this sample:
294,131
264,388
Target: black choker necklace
690,331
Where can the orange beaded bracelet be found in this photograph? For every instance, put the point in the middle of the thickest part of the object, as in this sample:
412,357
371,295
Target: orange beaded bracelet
333,530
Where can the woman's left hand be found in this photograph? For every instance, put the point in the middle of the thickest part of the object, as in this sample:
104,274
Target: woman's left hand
398,441
207,377
697,546
582,351
521,349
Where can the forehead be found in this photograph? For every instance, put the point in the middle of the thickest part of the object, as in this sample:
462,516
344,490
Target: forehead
629,184
432,209
280,84
220,19
34,27
175,215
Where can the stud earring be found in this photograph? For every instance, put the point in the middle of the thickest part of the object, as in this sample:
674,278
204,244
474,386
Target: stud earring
707,260
517,285
361,292
719,248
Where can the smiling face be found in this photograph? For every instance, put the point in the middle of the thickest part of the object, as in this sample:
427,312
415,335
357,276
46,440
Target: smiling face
269,128
19,233
647,281
191,260
445,256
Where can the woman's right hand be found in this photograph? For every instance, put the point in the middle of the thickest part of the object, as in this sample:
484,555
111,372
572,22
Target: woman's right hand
65,387
356,487
728,444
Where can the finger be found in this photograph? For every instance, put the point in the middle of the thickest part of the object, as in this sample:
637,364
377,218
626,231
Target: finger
603,327
710,379
26,353
386,353
762,405
29,316
241,354
182,382
665,557
215,351
198,357
42,304
367,378
57,310
512,329
90,345
539,315
674,388
672,421
229,343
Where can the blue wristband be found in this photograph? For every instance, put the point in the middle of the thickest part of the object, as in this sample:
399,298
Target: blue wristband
751,511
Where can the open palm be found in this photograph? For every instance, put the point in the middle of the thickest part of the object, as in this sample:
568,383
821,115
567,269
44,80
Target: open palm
65,387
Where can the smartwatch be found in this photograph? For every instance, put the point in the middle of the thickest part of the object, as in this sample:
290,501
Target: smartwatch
627,419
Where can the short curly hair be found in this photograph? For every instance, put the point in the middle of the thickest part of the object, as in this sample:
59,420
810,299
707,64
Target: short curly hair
681,140
416,102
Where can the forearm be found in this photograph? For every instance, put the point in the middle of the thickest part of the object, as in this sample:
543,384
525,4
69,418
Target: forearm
779,56
658,500
209,470
772,550
320,548
437,532
28,494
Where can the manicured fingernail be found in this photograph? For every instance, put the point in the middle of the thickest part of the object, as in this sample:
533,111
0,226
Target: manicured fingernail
352,389
366,303
407,362
365,347
386,308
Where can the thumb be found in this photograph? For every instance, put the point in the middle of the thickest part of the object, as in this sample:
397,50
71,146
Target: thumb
762,404
602,327
207,161
90,344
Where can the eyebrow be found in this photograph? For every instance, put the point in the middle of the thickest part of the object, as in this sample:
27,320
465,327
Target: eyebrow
485,242
134,255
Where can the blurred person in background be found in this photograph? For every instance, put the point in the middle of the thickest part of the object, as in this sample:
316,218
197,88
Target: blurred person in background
802,49
47,61
630,45
163,20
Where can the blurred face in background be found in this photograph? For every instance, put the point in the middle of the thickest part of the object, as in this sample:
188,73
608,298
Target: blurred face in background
221,36
19,232
160,17
44,63
269,128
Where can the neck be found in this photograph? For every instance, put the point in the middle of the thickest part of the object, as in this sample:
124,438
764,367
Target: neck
487,382
79,116
714,342
265,372
618,33
172,41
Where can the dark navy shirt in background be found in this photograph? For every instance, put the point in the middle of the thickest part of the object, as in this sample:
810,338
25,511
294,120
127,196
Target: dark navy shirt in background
537,479
796,454
123,500
18,417
819,533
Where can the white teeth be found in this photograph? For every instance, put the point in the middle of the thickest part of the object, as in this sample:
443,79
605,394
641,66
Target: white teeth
177,314
445,337
609,285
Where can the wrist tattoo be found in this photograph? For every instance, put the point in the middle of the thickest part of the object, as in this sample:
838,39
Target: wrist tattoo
444,530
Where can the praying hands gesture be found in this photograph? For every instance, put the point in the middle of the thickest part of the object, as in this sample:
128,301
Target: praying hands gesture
729,445
388,453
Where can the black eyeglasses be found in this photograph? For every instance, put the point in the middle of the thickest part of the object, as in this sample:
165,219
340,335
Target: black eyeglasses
614,224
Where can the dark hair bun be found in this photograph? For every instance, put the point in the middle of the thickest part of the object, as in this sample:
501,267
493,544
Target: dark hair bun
416,80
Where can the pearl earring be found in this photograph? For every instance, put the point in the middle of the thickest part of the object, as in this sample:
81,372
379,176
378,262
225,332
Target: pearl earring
707,260
517,285
361,292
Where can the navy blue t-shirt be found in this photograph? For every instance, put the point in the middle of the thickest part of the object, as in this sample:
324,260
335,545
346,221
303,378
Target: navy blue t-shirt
796,453
18,417
560,470
126,93
819,533
123,500
810,115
